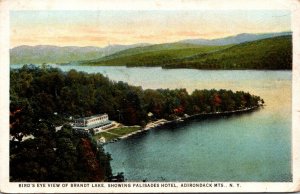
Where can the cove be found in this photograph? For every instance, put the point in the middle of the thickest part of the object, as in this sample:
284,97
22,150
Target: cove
250,147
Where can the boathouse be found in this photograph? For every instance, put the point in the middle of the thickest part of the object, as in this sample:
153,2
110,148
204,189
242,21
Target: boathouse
95,123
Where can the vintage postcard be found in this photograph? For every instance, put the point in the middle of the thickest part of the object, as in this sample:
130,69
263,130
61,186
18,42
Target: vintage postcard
150,96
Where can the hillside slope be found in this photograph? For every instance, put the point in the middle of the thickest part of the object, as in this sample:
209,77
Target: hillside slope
154,55
270,53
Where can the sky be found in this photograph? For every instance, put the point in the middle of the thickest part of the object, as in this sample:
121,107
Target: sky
101,28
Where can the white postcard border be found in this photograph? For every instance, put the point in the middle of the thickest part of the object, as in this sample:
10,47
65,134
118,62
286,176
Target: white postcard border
6,6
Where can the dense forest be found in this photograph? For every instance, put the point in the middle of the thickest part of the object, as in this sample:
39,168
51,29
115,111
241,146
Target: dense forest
42,98
57,156
270,53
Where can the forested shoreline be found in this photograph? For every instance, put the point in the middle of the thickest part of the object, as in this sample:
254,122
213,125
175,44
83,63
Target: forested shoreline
44,97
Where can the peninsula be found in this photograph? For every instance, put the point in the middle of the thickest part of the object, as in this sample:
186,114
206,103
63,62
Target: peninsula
43,98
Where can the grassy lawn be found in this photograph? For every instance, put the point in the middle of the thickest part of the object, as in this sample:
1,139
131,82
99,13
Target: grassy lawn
115,133
124,130
107,136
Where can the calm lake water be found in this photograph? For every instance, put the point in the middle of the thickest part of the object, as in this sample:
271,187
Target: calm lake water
249,147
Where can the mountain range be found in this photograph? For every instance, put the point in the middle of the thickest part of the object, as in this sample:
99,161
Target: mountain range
54,54
94,55
240,38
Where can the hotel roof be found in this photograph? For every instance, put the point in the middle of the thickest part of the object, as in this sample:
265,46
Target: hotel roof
94,125
94,116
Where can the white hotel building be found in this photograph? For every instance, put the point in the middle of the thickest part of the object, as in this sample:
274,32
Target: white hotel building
95,123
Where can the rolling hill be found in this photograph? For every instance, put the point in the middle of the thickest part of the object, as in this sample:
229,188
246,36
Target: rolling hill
270,53
154,55
54,54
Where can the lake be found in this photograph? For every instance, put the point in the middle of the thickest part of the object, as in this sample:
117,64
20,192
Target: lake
248,147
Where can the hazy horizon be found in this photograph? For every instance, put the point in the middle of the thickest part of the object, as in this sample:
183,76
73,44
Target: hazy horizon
102,28
142,42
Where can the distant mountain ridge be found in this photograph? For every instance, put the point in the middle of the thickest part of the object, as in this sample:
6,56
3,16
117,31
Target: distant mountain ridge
56,54
237,39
